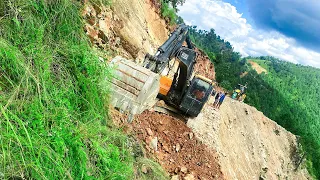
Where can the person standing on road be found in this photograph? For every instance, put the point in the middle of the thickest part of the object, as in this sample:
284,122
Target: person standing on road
221,99
216,99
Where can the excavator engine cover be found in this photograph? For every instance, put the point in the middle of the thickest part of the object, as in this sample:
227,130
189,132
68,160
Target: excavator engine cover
134,88
165,85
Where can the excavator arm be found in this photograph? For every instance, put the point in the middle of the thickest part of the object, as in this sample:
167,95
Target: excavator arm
168,50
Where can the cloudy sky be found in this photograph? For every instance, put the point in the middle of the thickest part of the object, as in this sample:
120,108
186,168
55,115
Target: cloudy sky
287,29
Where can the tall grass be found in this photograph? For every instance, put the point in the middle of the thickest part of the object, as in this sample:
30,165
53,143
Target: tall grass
53,97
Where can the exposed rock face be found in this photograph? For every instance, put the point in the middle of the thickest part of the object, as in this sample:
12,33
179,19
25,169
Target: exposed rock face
204,66
132,29
129,28
250,146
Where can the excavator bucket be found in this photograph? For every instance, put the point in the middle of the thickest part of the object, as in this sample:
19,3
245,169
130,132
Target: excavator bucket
134,88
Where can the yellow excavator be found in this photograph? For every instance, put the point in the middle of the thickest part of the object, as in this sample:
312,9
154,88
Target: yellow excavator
168,75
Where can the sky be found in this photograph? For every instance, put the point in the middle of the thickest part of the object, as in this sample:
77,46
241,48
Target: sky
286,29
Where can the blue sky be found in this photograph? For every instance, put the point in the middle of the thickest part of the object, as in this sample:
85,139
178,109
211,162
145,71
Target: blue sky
287,29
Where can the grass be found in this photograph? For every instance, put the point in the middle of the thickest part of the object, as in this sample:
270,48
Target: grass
54,97
154,170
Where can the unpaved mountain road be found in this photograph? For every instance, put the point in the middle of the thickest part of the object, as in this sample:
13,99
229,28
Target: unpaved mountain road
250,145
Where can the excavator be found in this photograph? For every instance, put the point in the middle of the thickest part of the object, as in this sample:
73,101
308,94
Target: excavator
168,75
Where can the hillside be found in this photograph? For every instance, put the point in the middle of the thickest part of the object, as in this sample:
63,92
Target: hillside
53,97
56,122
287,93
170,132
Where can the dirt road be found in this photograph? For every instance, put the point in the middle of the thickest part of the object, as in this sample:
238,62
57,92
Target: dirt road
250,146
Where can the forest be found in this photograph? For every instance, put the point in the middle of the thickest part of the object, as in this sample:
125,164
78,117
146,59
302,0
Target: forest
288,93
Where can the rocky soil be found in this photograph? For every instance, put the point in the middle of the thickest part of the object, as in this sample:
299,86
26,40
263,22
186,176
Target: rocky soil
204,66
127,28
170,142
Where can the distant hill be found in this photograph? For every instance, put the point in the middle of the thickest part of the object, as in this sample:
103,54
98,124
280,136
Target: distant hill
288,93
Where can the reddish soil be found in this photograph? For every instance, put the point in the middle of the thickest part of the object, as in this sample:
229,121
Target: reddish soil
204,66
178,151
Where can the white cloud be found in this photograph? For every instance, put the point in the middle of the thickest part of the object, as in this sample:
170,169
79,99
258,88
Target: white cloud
230,25
189,8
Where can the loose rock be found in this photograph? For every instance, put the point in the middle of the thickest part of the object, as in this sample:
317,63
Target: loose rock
189,177
149,131
154,144
184,169
178,147
190,135
144,169
175,177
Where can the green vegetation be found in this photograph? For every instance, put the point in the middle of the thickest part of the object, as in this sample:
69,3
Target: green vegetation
288,94
154,170
174,3
53,97
168,12
298,107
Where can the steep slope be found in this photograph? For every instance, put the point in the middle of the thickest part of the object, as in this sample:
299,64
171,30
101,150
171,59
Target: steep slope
247,148
132,29
129,28
250,145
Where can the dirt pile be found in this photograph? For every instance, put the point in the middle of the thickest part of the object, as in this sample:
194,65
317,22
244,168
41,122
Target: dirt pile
173,145
250,146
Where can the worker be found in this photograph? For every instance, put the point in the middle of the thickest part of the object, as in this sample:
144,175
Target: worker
243,88
242,97
216,99
221,99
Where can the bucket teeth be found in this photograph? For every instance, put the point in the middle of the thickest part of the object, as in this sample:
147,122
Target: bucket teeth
134,88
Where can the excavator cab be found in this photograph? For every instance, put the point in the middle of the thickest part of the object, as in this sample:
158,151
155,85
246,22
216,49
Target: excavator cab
196,95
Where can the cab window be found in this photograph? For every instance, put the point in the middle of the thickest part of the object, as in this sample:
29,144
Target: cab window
199,89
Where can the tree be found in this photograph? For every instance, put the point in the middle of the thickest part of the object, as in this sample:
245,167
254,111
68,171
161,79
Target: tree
175,3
